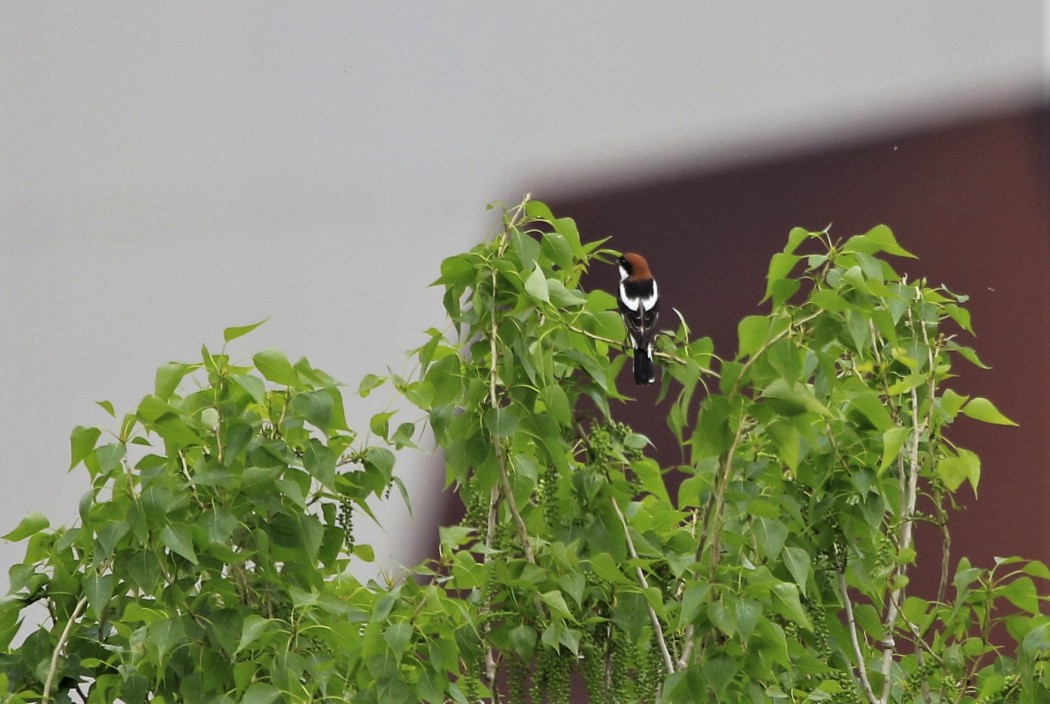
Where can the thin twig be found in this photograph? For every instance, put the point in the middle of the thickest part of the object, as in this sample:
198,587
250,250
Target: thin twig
657,628
490,533
713,532
711,535
622,345
512,504
59,646
501,462
862,669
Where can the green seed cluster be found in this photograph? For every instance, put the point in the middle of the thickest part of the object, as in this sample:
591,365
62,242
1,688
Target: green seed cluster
550,680
472,680
848,694
1008,693
593,667
346,522
651,672
821,635
623,658
477,511
517,679
548,496
919,676
615,670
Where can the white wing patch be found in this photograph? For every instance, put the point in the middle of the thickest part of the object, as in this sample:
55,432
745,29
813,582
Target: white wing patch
631,303
649,301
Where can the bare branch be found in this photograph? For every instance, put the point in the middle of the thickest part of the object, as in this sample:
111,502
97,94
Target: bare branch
862,669
59,647
909,495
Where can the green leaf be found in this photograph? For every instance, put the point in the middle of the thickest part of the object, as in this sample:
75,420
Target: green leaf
785,601
230,334
567,228
693,601
878,239
869,404
536,285
796,237
892,442
951,402
788,441
137,613
574,584
955,469
320,462
457,271
502,421
1037,641
99,590
255,386
315,407
523,640
177,539
218,524
723,617
605,567
770,535
556,602
254,627
380,423
747,614
261,693
651,478
32,523
983,410
398,636
557,249
403,435
751,333
1022,593
779,267
719,670
274,365
168,377
82,442
828,300
380,459
967,353
798,564
793,398
369,383
1036,569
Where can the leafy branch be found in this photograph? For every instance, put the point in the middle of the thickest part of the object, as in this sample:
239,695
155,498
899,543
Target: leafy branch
216,559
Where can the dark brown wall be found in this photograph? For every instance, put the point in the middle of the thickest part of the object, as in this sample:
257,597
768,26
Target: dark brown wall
970,199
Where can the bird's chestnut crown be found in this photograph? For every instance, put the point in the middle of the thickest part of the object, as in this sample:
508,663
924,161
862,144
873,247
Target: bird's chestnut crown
634,266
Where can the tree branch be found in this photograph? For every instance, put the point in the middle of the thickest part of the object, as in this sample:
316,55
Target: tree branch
657,628
59,646
862,669
909,494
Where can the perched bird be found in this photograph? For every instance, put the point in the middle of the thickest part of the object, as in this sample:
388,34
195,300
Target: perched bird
639,302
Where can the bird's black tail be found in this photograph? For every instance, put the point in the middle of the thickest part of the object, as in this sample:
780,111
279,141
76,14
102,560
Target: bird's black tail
644,373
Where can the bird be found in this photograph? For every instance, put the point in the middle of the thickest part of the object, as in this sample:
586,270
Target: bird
639,302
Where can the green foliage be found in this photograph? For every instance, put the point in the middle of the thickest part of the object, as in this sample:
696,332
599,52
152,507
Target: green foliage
209,563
